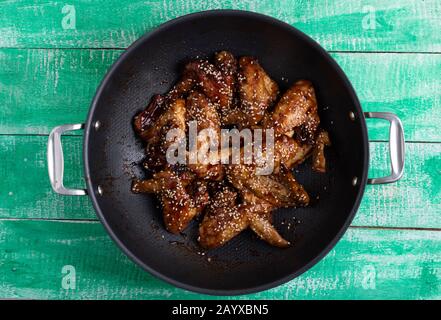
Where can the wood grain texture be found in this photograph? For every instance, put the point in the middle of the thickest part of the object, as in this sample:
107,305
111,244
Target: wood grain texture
408,85
400,25
25,190
413,202
374,264
40,89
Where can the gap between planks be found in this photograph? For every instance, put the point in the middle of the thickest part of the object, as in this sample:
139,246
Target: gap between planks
125,48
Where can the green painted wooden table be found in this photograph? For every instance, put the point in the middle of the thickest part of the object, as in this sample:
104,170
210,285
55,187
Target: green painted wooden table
52,57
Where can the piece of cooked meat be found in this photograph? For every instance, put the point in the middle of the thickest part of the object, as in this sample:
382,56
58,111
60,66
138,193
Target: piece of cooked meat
226,62
289,153
198,191
254,204
153,124
146,119
299,196
173,117
155,159
259,214
208,77
257,93
181,88
177,204
286,151
227,65
273,189
318,151
244,177
210,81
296,112
266,231
201,110
224,220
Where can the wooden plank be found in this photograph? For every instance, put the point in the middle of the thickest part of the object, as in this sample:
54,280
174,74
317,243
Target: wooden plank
413,201
40,89
378,25
366,264
408,85
25,191
64,82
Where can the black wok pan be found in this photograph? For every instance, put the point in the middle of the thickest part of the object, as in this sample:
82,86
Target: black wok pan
112,153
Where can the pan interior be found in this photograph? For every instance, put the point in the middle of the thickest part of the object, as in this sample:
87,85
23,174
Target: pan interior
245,264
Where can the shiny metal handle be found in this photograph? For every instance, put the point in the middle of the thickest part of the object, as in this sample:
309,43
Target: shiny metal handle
55,160
396,146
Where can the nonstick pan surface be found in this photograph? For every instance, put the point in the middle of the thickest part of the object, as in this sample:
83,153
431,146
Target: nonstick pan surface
113,153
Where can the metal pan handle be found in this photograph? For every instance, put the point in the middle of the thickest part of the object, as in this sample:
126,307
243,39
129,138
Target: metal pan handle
396,147
55,160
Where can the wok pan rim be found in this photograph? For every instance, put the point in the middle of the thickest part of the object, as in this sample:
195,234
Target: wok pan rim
89,130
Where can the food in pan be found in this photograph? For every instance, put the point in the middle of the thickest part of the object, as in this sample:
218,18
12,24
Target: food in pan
227,196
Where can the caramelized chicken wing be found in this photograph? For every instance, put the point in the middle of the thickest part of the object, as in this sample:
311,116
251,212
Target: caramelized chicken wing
299,196
145,120
199,193
224,220
181,88
210,81
296,110
178,206
266,231
152,126
278,191
259,214
257,93
254,204
289,153
227,65
203,112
